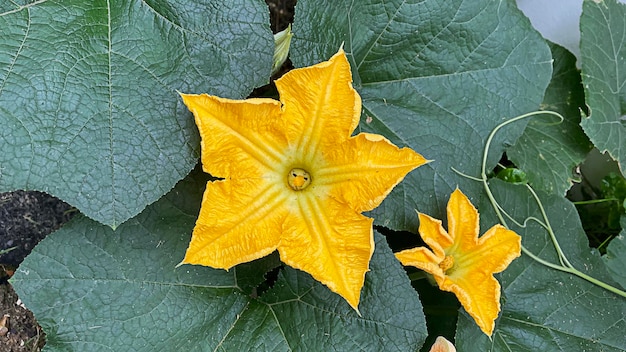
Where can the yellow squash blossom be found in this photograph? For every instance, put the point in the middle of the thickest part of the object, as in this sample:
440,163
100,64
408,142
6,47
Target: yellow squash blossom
463,263
294,179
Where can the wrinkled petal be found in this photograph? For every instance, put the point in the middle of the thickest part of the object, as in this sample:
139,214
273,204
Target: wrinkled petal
471,261
365,168
285,185
238,222
435,236
463,223
240,138
421,258
493,252
332,244
479,294
320,106
442,345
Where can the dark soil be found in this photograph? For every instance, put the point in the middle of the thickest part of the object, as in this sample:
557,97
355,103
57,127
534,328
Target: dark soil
21,333
27,217
281,13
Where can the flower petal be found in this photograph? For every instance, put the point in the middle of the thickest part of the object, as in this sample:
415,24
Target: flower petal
473,260
320,106
494,251
479,294
239,221
275,195
421,258
364,169
435,236
240,138
331,243
463,223
437,239
442,345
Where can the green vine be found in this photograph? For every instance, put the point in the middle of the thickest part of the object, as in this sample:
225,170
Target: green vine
564,264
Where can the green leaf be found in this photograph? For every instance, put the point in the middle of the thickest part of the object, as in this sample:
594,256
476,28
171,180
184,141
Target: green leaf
88,102
547,151
512,175
435,75
544,309
95,289
615,257
603,57
250,275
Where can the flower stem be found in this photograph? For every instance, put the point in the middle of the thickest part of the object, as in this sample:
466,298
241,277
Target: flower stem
565,265
418,275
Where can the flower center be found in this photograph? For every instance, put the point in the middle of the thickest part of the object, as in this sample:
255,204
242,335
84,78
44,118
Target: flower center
446,263
298,179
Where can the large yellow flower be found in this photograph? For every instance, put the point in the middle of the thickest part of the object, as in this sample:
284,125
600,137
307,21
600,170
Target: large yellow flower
463,263
294,180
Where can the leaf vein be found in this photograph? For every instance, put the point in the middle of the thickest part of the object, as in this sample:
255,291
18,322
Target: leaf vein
22,7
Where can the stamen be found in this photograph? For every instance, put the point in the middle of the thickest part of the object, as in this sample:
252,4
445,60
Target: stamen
446,263
298,179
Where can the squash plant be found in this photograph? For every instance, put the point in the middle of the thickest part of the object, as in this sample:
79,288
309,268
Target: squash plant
91,113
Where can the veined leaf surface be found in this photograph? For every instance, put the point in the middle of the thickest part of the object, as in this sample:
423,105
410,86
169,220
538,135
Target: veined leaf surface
88,102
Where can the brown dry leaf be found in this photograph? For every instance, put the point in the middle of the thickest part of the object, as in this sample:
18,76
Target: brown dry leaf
4,325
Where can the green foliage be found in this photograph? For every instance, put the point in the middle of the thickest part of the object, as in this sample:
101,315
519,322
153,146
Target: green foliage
549,150
545,309
602,28
121,289
512,175
615,257
88,99
437,76
90,114
614,189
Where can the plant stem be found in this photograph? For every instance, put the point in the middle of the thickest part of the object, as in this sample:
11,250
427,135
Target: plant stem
5,251
595,201
418,275
565,265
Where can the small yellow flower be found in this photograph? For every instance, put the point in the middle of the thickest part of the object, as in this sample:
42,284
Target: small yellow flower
463,263
294,179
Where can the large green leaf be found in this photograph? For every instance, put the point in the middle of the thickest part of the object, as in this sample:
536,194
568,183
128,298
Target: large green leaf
88,102
549,152
603,56
544,309
435,75
615,257
95,289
